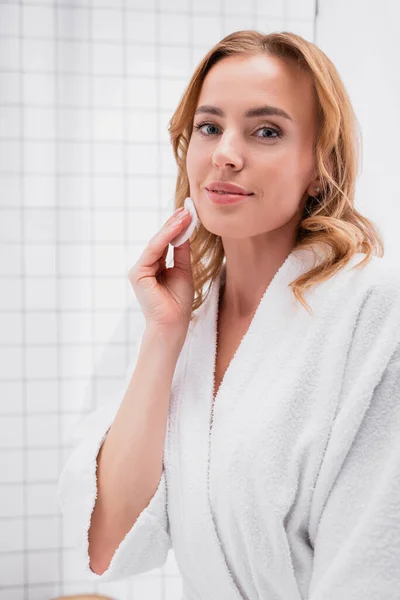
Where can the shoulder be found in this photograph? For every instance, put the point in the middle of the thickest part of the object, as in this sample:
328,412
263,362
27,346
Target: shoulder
364,298
377,289
379,278
383,283
363,283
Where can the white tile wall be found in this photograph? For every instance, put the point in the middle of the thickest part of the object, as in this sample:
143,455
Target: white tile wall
370,72
9,24
87,176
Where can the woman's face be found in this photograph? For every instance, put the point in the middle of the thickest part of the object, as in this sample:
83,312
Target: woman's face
270,155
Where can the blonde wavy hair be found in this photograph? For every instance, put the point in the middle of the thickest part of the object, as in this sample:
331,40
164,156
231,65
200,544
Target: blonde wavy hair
330,219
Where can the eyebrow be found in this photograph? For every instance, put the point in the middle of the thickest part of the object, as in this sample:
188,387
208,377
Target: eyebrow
260,111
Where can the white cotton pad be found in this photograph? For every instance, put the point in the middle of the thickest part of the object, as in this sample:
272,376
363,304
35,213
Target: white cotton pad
187,231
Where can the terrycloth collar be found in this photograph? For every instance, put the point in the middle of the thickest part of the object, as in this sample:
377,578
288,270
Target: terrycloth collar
277,313
269,335
295,264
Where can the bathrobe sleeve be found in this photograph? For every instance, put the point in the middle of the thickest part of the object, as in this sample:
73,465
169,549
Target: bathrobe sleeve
147,544
355,528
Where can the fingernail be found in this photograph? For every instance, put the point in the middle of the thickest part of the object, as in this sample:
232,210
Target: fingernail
181,214
173,216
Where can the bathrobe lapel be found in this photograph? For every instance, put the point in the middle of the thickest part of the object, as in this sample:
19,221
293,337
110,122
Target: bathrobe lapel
199,443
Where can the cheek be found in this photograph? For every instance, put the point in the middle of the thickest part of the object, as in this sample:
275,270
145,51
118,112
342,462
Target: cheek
190,161
284,167
192,154
275,170
197,163
274,158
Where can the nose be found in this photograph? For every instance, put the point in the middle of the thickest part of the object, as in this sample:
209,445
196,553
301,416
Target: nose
225,154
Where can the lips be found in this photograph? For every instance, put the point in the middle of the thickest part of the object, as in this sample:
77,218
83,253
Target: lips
227,187
219,198
226,192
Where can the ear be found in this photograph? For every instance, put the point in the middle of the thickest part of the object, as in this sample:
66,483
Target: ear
311,191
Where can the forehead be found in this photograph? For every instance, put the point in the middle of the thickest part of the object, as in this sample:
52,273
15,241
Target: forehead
237,83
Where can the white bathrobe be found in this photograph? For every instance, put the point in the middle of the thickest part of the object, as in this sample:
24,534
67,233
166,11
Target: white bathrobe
294,492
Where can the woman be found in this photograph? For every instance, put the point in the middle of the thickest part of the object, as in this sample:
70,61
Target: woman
268,449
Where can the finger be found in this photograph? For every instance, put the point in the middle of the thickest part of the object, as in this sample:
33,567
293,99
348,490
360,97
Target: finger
159,243
162,262
182,256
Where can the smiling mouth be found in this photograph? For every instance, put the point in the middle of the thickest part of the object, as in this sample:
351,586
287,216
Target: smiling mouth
229,193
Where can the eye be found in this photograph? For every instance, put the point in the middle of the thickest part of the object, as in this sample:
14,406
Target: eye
278,132
203,124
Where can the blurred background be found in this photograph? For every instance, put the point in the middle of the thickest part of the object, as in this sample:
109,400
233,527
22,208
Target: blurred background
87,176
